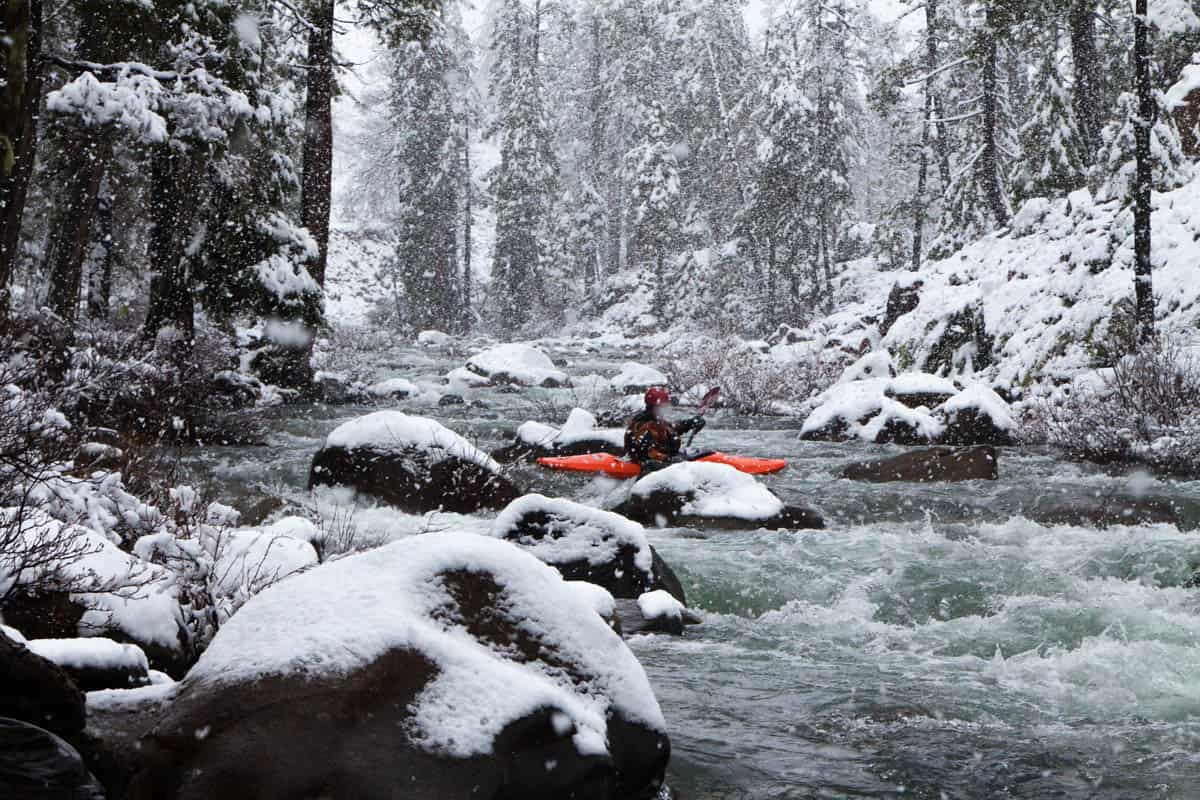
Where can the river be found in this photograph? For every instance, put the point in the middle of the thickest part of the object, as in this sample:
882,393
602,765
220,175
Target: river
932,642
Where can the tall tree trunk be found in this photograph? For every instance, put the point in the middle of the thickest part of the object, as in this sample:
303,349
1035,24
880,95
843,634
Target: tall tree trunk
172,215
1147,111
20,96
317,182
85,169
468,221
99,290
1086,92
919,202
990,159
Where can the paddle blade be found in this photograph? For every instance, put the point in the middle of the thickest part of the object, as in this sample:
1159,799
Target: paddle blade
709,398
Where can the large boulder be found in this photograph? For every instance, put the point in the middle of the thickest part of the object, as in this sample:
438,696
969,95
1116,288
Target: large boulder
587,544
977,415
699,494
937,464
517,363
862,410
578,435
919,389
37,690
452,665
37,765
413,463
903,299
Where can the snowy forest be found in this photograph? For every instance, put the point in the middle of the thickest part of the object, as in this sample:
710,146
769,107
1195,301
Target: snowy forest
599,399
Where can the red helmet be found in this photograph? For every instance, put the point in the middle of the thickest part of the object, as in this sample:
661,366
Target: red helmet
657,396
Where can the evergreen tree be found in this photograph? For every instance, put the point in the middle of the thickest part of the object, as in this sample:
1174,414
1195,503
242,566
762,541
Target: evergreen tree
1054,158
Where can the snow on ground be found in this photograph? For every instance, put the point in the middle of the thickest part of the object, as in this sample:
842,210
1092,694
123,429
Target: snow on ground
396,432
716,490
355,282
345,614
635,377
395,388
1046,288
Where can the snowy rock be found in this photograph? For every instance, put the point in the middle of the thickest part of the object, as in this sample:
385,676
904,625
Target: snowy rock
38,691
461,378
977,415
917,389
394,389
587,544
456,666
433,339
96,663
34,763
518,363
337,390
711,496
938,464
872,366
636,378
111,593
247,561
904,298
577,436
599,598
414,463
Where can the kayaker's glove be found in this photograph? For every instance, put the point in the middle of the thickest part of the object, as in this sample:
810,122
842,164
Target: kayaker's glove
695,424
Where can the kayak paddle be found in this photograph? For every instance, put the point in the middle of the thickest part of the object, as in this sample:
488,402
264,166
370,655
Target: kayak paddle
709,398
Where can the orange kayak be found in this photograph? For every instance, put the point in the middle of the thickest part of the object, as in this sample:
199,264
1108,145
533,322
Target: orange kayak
614,467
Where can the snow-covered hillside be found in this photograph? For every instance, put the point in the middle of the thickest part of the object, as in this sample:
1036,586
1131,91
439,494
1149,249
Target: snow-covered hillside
1040,301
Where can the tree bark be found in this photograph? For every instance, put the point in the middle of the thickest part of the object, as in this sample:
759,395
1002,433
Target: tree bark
317,181
99,289
172,215
990,159
85,169
1147,111
21,79
1086,94
468,221
919,202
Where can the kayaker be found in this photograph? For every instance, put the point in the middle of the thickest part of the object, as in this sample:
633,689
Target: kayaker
652,440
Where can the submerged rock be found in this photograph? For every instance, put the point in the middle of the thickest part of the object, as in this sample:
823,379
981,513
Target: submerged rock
413,463
1104,512
938,464
452,665
708,495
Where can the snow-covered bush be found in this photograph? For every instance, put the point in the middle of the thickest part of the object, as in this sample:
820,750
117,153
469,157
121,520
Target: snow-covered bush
1145,409
750,382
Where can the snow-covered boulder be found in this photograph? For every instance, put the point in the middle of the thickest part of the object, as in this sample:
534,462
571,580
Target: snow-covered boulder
711,496
932,465
873,366
96,663
433,339
577,436
977,415
414,463
394,389
635,377
654,612
460,379
913,408
106,592
587,544
518,363
452,665
37,690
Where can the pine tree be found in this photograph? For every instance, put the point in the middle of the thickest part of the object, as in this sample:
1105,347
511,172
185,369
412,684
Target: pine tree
1169,167
1054,157
526,177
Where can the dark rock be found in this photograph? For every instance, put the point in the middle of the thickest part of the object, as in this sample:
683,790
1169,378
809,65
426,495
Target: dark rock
971,426
1104,512
37,765
898,430
336,391
294,735
508,388
902,300
289,367
125,668
938,464
451,400
633,622
965,327
38,691
234,390
663,508
410,480
537,523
